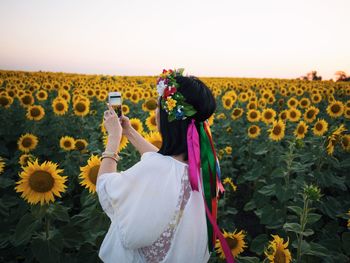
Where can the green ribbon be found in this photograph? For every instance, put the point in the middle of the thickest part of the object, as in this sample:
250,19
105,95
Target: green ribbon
208,165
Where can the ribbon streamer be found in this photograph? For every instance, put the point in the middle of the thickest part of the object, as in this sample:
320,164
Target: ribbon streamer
202,158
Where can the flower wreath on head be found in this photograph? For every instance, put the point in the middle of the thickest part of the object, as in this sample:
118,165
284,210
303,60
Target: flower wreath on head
173,102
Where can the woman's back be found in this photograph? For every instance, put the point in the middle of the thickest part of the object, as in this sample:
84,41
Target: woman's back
156,217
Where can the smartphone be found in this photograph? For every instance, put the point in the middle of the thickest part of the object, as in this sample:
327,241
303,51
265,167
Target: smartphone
115,100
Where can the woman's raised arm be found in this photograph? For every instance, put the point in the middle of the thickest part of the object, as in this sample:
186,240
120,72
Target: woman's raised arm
136,139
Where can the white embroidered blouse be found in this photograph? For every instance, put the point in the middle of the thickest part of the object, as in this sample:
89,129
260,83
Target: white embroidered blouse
155,216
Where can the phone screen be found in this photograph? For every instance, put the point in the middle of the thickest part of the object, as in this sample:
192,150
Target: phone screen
115,100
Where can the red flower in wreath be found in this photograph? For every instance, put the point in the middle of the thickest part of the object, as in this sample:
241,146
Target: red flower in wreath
169,91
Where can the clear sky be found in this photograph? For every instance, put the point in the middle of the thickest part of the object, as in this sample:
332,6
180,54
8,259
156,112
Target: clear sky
247,38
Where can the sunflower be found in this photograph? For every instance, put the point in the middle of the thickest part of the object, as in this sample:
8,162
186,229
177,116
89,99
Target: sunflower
277,130
268,115
283,115
211,119
304,103
35,112
136,124
5,101
41,95
234,240
40,182
155,138
334,138
347,112
310,114
345,142
27,142
125,109
320,127
81,107
335,109
227,102
135,97
316,98
301,130
293,114
25,158
89,173
228,150
253,115
221,116
26,100
292,102
67,143
81,144
2,165
277,251
229,181
122,145
236,113
253,131
150,104
151,122
60,106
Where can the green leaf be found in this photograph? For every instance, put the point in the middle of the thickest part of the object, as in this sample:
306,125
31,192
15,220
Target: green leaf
308,232
268,190
46,251
313,217
250,205
317,250
296,209
346,242
258,244
58,212
24,229
292,227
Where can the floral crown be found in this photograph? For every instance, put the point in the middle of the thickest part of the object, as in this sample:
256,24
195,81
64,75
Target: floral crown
173,102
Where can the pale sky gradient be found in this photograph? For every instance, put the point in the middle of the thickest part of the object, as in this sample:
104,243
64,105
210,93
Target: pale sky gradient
247,38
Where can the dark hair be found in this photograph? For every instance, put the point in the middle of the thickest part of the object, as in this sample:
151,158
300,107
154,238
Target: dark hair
174,134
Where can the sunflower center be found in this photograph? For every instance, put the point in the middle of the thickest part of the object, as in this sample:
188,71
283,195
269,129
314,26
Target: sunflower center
277,130
35,112
4,101
151,104
80,107
253,115
253,130
301,129
59,106
80,145
153,120
310,113
93,173
293,114
27,100
335,108
232,242
228,102
27,142
268,115
41,181
67,144
280,256
236,112
319,126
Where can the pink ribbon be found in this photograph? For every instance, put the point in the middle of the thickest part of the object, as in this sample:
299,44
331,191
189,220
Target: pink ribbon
194,163
194,158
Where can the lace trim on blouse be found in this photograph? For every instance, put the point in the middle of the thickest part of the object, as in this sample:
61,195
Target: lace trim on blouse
159,249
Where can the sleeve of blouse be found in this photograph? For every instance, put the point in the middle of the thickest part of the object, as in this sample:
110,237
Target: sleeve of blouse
134,197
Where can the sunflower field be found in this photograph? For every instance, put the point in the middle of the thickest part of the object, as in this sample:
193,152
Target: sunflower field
283,147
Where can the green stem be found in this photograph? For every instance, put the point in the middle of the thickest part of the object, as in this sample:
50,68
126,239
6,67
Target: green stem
303,221
47,226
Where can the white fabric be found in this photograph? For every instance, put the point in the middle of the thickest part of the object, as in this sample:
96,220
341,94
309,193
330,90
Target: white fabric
153,210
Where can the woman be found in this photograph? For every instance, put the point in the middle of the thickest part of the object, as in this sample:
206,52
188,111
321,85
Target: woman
156,216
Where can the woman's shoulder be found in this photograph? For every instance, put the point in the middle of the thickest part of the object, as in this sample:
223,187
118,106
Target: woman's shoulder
160,158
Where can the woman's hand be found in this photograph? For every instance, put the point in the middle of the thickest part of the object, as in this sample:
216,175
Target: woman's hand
125,122
112,123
